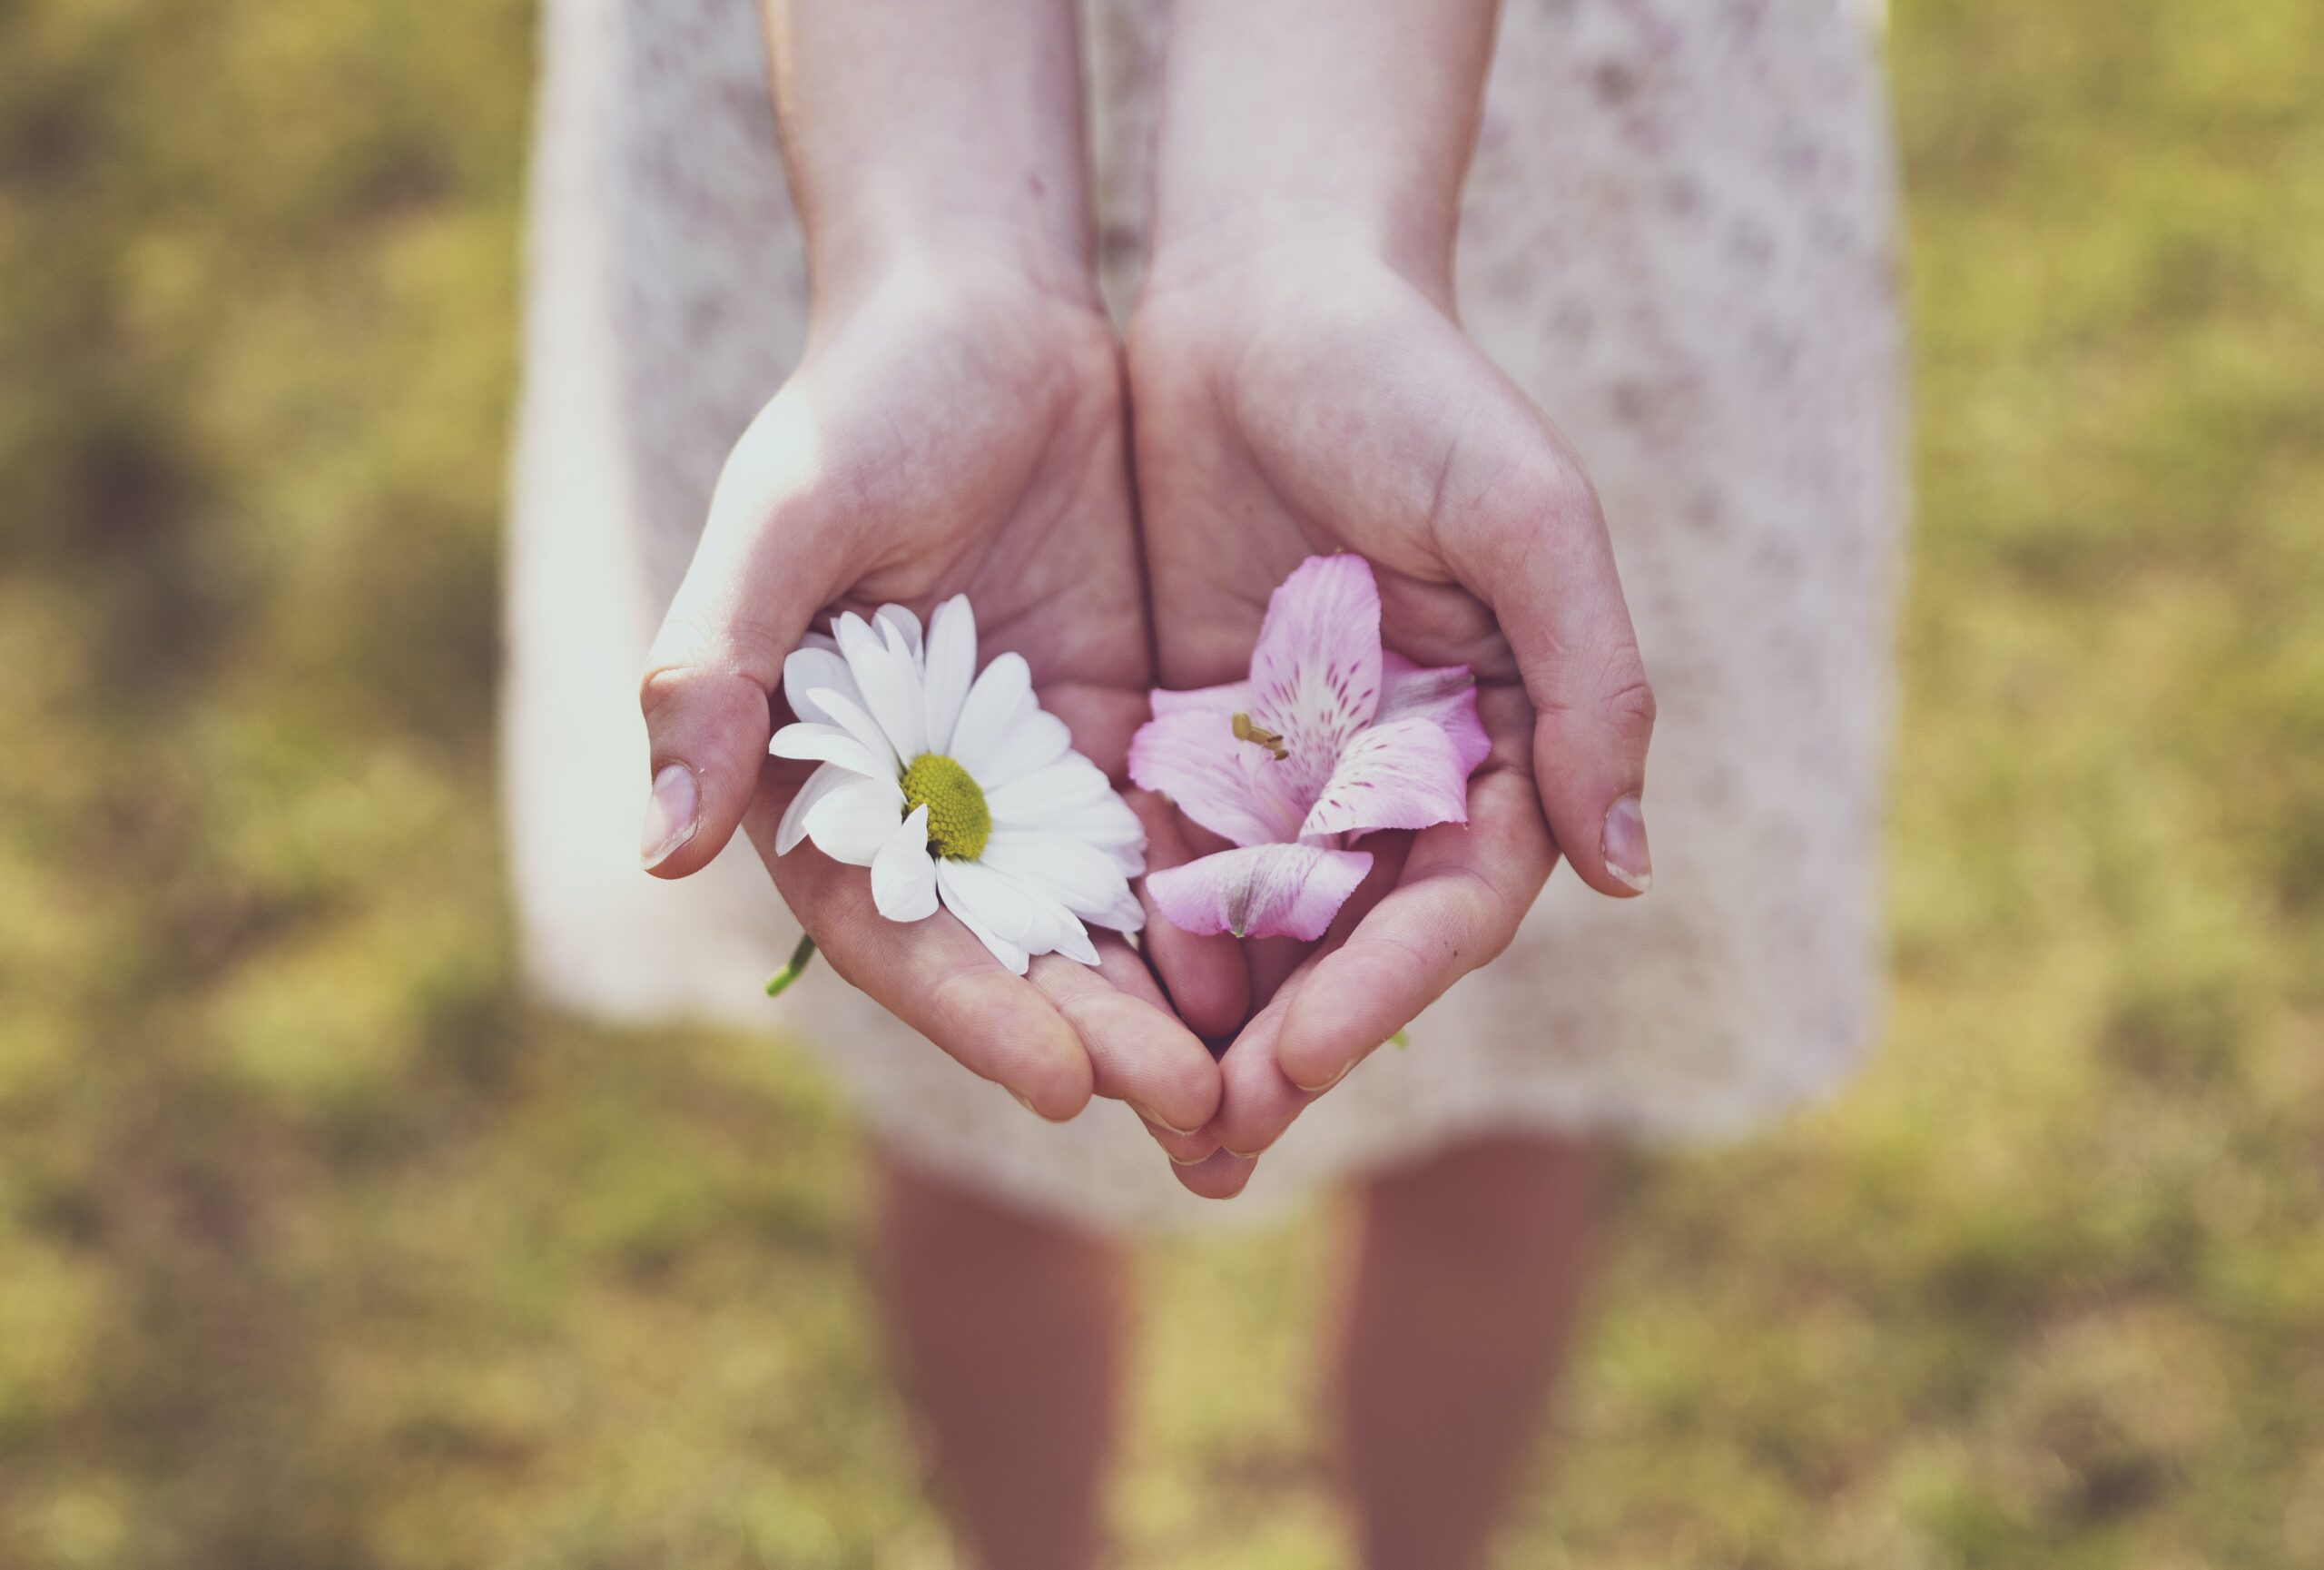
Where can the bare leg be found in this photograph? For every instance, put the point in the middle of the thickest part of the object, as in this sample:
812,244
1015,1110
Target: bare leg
1468,1276
1006,1329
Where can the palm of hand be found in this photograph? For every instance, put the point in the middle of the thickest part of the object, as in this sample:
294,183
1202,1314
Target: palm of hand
948,437
968,439
1348,413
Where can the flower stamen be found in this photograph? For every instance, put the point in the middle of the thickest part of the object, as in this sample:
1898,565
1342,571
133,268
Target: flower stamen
1246,731
958,821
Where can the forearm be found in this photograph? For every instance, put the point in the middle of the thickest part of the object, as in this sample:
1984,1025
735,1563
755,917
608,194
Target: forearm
1348,120
941,129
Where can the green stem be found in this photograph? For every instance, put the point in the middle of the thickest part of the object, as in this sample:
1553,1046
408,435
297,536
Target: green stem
788,974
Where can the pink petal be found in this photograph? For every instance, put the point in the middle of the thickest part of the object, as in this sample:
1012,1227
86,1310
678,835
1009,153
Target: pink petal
1235,788
1404,776
1261,891
1316,674
1447,695
1226,699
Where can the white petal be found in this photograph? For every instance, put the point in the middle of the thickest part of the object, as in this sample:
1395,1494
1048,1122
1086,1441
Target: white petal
853,822
1018,913
1108,819
820,784
829,744
1000,948
1110,826
1081,877
890,682
1033,740
1073,943
1033,801
904,874
1124,915
822,640
809,668
906,627
1004,690
1130,858
952,664
848,715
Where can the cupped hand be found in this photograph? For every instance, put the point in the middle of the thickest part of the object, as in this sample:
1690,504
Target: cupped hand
949,429
1297,400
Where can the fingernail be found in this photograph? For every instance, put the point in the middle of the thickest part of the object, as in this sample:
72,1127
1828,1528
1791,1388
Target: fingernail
1148,1113
1624,846
1026,1102
672,814
1335,1079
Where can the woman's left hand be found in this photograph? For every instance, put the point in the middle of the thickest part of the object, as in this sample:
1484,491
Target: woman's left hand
1303,400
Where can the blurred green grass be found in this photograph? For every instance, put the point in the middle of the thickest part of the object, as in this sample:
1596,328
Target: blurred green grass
320,1246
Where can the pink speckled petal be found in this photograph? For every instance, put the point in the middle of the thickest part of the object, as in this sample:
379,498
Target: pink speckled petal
1447,695
1235,788
1259,891
1404,776
1225,699
1315,673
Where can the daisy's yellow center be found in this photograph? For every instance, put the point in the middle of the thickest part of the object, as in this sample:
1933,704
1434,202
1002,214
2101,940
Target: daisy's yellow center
958,822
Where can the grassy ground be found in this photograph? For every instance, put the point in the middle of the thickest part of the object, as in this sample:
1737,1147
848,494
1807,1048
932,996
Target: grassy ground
319,1247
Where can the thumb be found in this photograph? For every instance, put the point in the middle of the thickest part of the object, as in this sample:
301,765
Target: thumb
1531,543
764,566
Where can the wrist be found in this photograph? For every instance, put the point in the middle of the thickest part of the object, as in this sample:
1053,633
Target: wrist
1316,126
1282,256
872,250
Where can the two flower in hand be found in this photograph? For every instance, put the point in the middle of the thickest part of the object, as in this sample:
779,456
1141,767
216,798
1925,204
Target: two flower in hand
1342,829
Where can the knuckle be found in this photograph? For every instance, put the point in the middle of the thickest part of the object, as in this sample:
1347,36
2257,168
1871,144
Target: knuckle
1190,1091
1474,922
1622,698
690,665
1546,489
1629,700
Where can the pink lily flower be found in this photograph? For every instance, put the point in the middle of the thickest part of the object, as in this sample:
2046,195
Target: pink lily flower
1331,738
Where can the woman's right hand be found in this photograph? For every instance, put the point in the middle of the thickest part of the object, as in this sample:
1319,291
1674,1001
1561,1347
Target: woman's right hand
954,427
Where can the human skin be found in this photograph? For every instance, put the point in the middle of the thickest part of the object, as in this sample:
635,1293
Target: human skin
1302,384
955,425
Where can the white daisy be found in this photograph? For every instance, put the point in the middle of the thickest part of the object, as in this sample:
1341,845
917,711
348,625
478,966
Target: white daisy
946,787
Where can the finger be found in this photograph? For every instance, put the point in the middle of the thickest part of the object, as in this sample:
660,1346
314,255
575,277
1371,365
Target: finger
764,567
1184,1150
1216,1177
1520,522
1205,976
1274,961
1461,894
1140,1051
935,976
1256,1101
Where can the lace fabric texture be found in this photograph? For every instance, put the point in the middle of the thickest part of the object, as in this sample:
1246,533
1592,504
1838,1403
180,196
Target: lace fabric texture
1678,235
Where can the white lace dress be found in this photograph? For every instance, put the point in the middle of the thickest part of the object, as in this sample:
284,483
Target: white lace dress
1678,235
